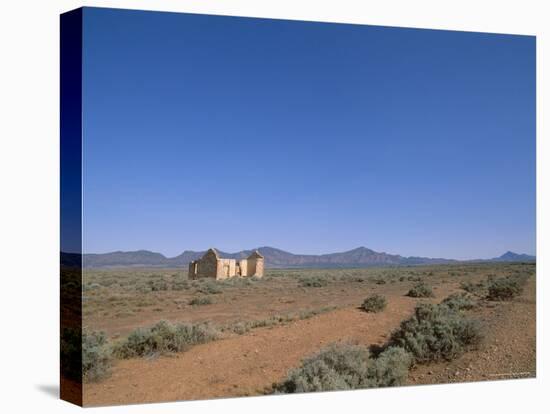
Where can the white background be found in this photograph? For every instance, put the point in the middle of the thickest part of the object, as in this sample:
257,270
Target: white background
29,206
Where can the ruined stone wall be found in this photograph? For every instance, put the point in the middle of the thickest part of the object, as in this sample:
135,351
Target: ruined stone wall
212,266
192,274
244,267
251,268
256,267
259,267
225,268
207,266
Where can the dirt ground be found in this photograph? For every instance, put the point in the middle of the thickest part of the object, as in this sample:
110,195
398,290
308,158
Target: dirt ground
249,364
118,301
508,351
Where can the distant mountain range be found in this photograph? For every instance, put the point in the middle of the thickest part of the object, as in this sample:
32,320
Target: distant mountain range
274,258
514,257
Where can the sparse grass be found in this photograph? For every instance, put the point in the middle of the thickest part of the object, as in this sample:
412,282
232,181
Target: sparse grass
313,281
243,327
240,328
201,300
374,303
164,338
108,293
111,295
477,289
238,282
180,285
158,285
420,290
117,293
210,287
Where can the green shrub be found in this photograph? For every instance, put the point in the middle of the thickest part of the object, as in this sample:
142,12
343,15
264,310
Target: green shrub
390,368
209,287
313,281
459,301
473,288
158,285
345,367
374,303
240,328
436,332
97,356
240,281
356,279
180,285
201,300
505,288
163,338
420,290
336,367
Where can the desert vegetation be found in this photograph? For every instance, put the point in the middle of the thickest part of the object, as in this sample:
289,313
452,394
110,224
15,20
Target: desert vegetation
437,332
122,309
313,281
460,301
164,338
505,288
374,303
420,290
345,367
97,357
201,300
495,288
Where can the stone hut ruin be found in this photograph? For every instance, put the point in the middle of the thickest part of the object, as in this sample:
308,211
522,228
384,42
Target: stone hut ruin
211,265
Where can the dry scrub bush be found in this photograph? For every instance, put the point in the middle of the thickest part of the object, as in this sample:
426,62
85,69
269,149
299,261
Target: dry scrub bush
85,356
97,357
460,301
505,288
346,367
164,338
210,287
421,290
390,368
474,288
436,332
201,300
313,281
374,303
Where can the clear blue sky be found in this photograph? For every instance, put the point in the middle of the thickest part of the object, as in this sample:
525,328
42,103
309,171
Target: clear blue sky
207,131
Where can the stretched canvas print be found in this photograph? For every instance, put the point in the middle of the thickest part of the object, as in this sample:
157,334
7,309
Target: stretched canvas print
256,206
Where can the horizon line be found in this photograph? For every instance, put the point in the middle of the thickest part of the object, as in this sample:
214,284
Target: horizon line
290,252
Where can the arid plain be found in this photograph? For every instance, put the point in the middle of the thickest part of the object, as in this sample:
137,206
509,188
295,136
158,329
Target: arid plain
265,327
